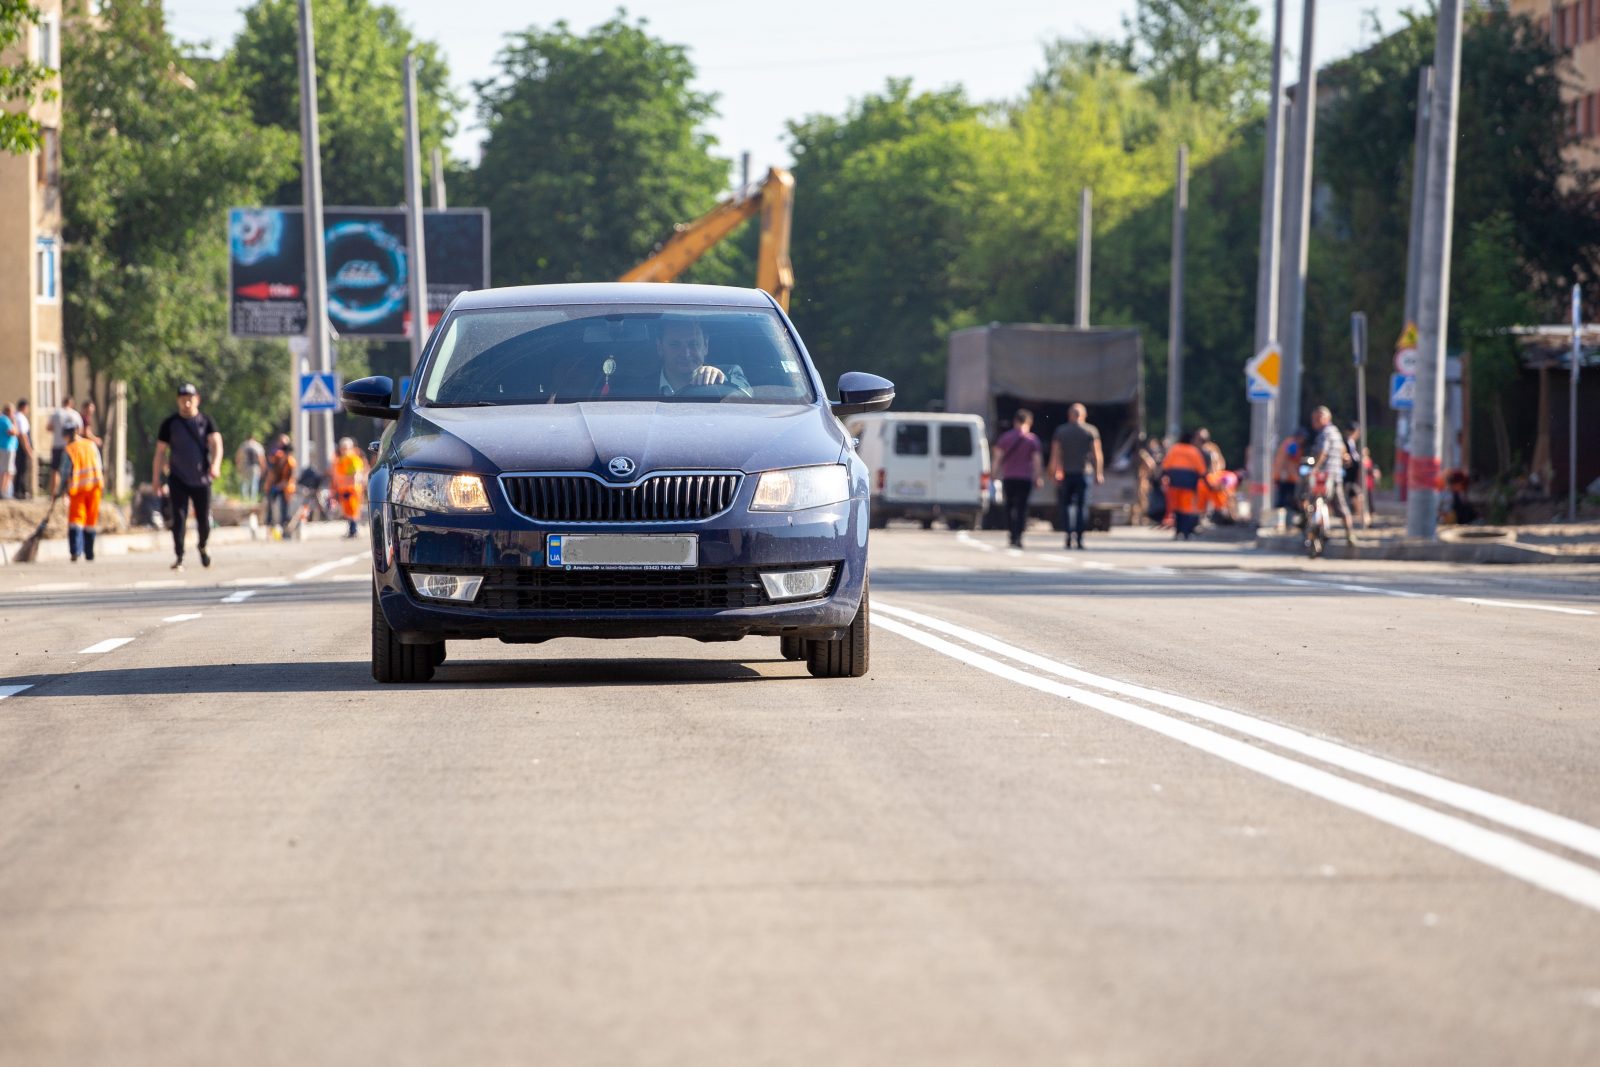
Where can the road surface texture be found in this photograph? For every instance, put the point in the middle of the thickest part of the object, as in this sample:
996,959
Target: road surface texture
1144,804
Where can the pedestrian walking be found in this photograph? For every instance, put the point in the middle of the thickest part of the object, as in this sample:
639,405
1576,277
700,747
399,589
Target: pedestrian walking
27,464
61,420
1286,477
1327,453
1182,473
1018,452
280,482
8,449
249,462
350,483
82,471
189,451
1075,457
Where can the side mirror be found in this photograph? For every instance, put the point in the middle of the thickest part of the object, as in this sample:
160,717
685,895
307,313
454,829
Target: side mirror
370,396
861,392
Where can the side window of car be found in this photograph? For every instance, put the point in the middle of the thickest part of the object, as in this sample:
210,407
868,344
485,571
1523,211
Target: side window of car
955,440
911,439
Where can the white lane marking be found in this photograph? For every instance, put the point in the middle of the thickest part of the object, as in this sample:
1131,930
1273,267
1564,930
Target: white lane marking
967,539
1562,877
1090,564
323,568
1513,814
928,568
1058,558
12,690
238,582
1520,606
240,597
108,645
190,617
161,583
54,587
1159,570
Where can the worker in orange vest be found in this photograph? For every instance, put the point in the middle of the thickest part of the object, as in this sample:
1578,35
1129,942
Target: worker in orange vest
1182,473
350,482
83,475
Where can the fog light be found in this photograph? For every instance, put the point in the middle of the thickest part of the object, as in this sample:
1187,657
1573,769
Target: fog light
792,585
460,587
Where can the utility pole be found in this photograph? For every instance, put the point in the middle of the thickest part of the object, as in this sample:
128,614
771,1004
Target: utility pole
414,236
1572,404
440,201
1297,226
314,442
1419,185
744,170
1263,444
1180,221
1085,240
1358,349
1433,289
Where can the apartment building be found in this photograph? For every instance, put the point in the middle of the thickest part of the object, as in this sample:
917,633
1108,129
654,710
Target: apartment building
1574,28
32,360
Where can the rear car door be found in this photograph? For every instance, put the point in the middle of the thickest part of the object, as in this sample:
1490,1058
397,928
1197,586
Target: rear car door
911,462
958,465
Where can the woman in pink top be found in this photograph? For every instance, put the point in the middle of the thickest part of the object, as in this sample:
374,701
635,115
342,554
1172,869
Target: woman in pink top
1017,461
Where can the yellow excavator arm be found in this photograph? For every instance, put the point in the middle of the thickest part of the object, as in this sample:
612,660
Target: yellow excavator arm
772,198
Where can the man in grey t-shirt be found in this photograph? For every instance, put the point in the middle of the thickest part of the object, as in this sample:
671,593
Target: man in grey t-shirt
1075,457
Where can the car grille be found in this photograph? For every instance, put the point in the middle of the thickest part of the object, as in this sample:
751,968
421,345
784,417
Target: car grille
543,589
659,498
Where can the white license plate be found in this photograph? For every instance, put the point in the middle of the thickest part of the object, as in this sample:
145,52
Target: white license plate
649,552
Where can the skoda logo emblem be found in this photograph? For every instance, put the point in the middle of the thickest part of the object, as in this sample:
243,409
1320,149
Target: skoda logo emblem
621,467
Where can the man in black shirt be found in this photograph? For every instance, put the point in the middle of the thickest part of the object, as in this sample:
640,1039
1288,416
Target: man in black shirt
189,449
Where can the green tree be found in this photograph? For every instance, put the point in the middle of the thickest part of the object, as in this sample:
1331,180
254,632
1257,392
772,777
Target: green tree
1208,51
159,145
22,82
361,48
594,151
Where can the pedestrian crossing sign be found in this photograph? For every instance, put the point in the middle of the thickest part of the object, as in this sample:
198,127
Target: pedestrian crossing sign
317,393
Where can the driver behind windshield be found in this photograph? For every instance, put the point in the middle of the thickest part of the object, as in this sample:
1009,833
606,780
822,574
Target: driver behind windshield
681,344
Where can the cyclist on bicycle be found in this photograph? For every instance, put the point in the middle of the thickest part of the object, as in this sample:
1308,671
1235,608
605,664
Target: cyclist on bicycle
1327,454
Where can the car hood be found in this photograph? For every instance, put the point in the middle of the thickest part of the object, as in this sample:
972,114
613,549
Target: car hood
587,437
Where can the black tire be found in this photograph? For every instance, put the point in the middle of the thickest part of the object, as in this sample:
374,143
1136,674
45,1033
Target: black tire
877,520
927,524
847,657
792,647
393,662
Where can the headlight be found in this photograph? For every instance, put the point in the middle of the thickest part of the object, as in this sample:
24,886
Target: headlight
801,488
438,492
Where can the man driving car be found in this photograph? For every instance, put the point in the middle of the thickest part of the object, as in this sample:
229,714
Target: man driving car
681,344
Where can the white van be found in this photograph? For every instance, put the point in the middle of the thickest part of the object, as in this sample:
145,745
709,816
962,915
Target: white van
924,465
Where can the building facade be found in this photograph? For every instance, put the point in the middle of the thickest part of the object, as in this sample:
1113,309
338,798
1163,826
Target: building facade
1574,28
33,362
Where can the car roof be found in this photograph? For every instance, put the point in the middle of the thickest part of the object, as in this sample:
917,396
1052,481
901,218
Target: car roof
614,293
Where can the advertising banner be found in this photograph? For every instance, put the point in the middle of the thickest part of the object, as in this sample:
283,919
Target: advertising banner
368,265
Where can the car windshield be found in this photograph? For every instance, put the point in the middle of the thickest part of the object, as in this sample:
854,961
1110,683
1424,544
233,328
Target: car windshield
590,353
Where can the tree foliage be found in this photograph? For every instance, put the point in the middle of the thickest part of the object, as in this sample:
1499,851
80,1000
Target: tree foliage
594,151
159,145
1207,51
361,48
22,81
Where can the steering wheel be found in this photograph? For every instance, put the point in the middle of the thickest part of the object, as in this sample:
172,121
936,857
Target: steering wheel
717,390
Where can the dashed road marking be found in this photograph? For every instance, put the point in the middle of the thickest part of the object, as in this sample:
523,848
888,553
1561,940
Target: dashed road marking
240,597
332,565
108,645
190,617
236,583
12,690
1481,602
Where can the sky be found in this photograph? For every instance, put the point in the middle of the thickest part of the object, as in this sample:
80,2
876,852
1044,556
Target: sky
770,63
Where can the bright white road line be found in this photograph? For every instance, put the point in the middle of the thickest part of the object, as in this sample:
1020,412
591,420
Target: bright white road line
54,587
240,597
1520,606
967,539
323,568
1562,877
107,645
238,582
182,618
12,690
1515,815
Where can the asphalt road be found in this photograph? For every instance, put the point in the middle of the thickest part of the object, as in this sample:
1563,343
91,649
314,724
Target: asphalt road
1144,804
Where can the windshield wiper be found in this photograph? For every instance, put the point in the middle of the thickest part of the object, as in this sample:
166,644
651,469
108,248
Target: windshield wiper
463,404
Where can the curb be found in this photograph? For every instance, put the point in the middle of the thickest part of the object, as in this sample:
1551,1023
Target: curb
1498,551
161,541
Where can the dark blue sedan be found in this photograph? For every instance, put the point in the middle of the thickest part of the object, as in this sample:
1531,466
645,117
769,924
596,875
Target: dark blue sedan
617,461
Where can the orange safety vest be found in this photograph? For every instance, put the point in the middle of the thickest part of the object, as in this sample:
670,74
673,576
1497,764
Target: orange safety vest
86,470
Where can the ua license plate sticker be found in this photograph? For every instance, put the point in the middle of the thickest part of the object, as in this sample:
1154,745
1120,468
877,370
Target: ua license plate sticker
640,552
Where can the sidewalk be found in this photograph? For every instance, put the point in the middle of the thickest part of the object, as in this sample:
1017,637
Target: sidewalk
152,540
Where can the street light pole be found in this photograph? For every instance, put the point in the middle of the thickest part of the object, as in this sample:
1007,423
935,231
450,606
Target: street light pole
1297,226
1085,239
1180,220
314,443
1572,404
1262,442
1358,349
415,237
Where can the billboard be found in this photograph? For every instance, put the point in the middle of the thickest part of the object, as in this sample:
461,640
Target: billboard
368,268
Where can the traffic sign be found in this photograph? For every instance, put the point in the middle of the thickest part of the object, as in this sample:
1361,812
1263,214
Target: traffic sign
1261,375
1402,391
317,393
1405,351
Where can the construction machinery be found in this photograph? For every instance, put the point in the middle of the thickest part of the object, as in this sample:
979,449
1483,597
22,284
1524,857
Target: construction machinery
773,198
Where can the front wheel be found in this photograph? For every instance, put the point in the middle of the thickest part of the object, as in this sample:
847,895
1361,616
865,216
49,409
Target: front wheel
846,657
792,647
393,662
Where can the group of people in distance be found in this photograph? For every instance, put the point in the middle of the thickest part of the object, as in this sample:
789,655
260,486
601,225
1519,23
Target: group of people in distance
1076,462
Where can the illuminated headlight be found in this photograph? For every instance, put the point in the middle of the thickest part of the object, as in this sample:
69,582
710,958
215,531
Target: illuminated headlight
801,488
459,587
792,585
431,491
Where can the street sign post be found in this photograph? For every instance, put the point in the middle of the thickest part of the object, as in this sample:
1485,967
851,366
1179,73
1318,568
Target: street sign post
1358,351
1262,373
1402,392
317,393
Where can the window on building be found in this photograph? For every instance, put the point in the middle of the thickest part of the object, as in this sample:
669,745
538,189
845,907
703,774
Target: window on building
47,377
49,172
47,269
47,54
